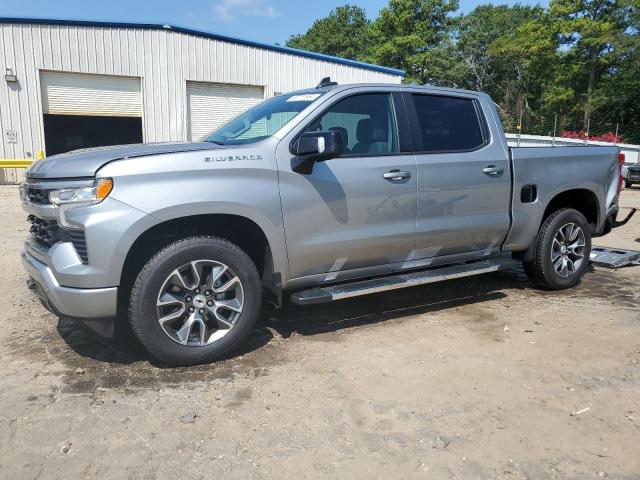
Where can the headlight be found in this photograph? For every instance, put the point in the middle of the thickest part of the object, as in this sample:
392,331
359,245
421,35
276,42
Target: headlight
69,198
94,194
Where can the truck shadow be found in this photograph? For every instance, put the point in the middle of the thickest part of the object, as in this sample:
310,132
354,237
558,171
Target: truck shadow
377,308
318,319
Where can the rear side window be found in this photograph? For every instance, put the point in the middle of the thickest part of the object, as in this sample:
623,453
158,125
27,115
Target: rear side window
366,122
447,124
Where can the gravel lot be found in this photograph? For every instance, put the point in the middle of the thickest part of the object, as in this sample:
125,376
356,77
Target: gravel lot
475,378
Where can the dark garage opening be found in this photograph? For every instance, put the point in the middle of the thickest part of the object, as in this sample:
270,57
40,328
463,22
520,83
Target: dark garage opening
63,133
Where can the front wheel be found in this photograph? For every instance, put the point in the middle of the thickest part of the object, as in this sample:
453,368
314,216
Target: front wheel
627,184
561,250
195,301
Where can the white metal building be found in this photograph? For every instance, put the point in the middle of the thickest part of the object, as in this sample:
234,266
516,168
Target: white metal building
75,84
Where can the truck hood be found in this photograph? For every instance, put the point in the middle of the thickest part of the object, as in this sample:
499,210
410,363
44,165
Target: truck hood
86,162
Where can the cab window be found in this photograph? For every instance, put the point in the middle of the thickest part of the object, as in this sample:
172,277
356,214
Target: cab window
263,120
447,124
366,123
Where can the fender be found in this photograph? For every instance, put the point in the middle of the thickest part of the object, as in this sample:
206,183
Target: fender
172,186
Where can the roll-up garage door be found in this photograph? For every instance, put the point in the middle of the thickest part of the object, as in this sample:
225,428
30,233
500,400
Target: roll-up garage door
213,104
92,95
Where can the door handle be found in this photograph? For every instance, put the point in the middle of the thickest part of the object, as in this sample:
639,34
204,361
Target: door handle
396,175
493,170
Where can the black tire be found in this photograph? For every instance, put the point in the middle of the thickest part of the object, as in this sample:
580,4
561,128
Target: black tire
143,316
627,184
540,269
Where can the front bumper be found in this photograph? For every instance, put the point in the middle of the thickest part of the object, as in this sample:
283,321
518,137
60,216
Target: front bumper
95,307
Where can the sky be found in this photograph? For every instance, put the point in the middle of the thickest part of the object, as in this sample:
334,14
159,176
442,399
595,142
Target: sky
267,21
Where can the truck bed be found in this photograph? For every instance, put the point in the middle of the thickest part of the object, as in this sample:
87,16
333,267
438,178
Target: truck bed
541,173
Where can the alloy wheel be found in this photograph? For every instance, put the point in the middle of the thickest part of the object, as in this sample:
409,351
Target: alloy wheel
567,250
200,302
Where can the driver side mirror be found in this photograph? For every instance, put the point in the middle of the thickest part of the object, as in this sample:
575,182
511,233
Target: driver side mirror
313,147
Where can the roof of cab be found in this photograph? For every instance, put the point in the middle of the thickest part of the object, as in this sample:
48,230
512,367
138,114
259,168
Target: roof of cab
426,88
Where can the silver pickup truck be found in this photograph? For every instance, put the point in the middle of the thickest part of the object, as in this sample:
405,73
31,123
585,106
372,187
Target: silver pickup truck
320,194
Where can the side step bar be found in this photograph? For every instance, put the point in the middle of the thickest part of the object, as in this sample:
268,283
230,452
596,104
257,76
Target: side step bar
392,282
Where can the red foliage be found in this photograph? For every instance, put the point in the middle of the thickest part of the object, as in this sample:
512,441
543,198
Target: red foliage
582,135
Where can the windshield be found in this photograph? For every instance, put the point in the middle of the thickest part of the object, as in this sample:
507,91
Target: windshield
263,120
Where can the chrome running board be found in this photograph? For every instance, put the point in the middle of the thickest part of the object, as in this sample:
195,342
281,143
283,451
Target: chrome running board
392,282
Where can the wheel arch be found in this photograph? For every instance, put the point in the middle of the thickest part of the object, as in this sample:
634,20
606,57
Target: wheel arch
245,232
583,200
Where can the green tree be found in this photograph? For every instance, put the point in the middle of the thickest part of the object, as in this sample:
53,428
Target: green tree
578,60
412,35
497,71
615,100
478,30
523,60
561,56
344,33
589,30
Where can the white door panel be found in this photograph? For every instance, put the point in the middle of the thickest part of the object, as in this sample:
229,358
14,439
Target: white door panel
92,95
214,104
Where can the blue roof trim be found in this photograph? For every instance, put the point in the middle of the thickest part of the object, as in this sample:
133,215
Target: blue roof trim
214,36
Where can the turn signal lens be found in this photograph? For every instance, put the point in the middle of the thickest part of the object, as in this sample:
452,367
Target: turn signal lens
103,188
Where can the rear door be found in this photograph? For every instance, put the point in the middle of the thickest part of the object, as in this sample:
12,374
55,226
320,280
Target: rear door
463,177
358,210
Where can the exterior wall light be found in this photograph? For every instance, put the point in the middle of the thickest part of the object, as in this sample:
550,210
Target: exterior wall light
9,76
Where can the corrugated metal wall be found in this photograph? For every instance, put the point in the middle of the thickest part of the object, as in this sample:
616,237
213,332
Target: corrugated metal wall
163,59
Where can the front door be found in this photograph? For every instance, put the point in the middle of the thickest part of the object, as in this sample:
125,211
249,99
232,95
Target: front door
357,210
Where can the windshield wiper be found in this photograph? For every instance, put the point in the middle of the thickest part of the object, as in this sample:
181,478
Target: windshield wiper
214,141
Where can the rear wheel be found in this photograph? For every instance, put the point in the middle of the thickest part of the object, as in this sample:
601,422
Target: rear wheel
627,184
195,301
561,251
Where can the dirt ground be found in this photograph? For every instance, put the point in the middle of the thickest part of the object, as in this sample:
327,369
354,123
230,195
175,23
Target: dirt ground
484,377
